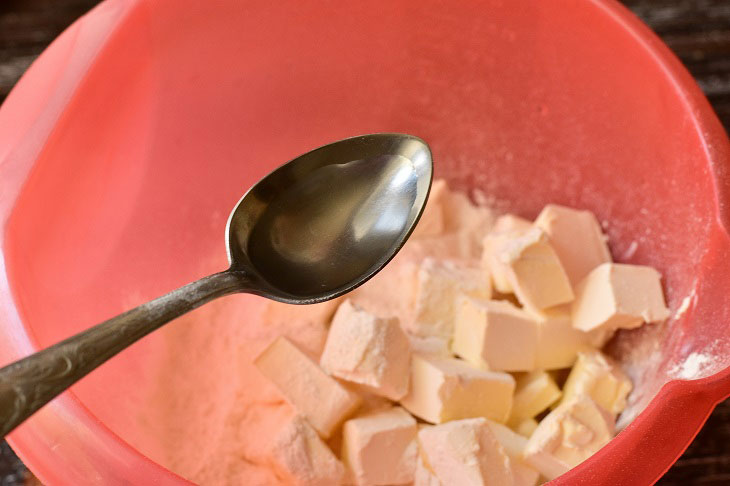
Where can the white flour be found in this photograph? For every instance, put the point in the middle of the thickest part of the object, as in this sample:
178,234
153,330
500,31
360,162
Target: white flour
694,366
686,302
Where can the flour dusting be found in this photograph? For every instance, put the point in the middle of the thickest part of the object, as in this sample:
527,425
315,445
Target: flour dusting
695,366
685,304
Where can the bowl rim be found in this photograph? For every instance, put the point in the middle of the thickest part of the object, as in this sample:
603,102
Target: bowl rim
68,416
698,397
65,419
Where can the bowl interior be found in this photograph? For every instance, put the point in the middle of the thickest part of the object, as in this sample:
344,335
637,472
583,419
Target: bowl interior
189,105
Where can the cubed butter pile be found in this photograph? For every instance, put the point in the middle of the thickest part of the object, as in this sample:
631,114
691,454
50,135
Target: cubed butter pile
482,406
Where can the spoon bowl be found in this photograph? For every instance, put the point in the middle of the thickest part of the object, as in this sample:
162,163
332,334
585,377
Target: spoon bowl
313,229
324,223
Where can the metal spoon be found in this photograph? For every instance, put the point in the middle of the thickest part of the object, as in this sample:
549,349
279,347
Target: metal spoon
313,229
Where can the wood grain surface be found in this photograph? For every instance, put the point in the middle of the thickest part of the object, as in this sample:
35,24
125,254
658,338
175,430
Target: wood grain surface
697,30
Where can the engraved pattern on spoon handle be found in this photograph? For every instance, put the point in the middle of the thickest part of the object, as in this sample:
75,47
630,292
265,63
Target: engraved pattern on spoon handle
28,384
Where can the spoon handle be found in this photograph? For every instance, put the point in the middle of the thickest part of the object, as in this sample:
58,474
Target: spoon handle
28,384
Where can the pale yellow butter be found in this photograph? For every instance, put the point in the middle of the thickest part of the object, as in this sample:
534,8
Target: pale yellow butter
618,296
380,448
598,377
300,456
534,271
439,284
558,341
576,237
368,350
424,475
444,389
514,446
495,335
318,397
465,453
505,228
534,393
526,427
569,435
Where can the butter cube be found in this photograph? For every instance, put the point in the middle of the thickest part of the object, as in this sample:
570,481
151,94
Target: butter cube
614,296
534,393
444,389
432,219
598,377
365,349
318,397
496,269
505,228
526,427
558,341
514,446
301,458
569,435
439,283
465,453
369,403
424,475
381,448
495,335
576,237
391,293
534,270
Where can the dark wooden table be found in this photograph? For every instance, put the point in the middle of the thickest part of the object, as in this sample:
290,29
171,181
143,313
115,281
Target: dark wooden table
697,30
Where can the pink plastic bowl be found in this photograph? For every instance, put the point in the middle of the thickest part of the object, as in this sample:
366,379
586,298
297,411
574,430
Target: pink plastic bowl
125,145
